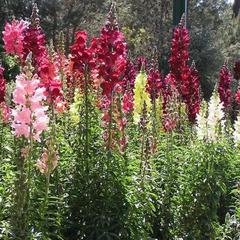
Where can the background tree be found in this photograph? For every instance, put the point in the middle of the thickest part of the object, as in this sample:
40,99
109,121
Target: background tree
147,26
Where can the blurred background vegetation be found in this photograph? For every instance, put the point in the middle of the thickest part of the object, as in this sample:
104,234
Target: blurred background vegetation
147,25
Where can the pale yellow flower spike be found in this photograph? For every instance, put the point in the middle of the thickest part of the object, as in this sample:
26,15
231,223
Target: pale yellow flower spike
75,107
140,96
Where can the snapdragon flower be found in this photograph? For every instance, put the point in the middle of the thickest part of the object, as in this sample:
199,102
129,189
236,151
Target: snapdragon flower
224,87
170,104
236,133
110,56
179,58
201,127
48,161
4,108
215,118
141,96
29,115
75,106
193,100
210,120
13,36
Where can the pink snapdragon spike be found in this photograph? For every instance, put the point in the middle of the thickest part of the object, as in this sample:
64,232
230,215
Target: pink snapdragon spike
48,162
5,112
29,116
42,163
13,36
224,86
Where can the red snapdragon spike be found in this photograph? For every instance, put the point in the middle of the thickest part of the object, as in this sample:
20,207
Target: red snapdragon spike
5,111
224,86
110,51
186,78
168,88
154,84
115,76
71,81
47,69
130,75
48,72
236,69
34,40
193,101
2,86
142,61
82,56
81,59
170,97
180,56
128,85
238,96
127,102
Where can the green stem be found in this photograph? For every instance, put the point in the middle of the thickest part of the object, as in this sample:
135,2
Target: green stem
109,152
154,128
29,171
54,140
1,141
19,220
86,148
142,151
45,210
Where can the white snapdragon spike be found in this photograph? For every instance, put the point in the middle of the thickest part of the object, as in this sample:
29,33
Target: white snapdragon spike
215,118
201,127
236,133
210,120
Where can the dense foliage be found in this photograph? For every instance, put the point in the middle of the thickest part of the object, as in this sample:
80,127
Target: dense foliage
95,145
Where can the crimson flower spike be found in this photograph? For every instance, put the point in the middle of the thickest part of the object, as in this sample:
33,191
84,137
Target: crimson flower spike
154,84
193,100
224,86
